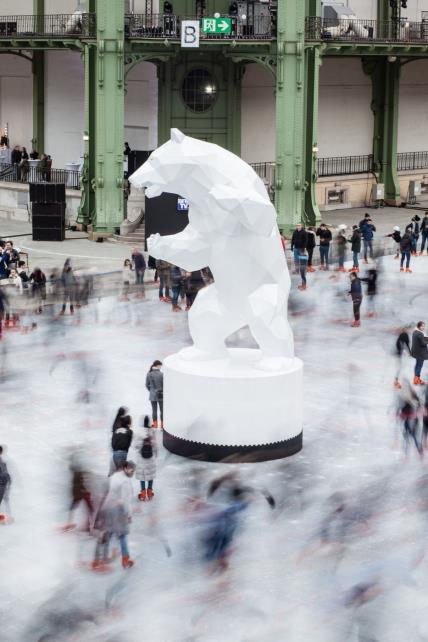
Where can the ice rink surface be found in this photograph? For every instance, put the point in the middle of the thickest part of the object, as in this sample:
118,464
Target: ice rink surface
296,570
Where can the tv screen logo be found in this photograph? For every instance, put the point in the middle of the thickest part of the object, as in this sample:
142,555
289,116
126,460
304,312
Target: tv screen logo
182,205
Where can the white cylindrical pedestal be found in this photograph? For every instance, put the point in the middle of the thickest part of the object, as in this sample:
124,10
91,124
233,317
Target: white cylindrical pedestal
230,410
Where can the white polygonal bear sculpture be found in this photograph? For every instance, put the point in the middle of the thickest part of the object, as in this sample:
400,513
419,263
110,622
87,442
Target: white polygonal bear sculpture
232,230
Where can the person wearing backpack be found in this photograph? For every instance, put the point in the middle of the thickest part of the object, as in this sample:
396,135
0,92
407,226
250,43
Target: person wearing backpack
120,443
154,384
146,451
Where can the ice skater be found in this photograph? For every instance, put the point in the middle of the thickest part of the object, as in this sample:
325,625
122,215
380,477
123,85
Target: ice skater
356,294
154,384
5,483
146,454
402,346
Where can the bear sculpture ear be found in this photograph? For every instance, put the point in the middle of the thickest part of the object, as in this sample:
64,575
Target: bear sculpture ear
177,136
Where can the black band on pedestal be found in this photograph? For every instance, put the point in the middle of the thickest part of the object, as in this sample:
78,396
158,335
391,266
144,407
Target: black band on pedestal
232,454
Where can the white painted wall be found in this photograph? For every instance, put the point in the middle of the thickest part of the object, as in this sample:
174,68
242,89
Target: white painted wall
345,123
64,107
413,107
16,7
258,115
16,91
141,103
368,8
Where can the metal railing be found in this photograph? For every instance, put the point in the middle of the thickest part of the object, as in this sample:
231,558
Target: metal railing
357,30
62,25
407,161
342,165
15,174
169,26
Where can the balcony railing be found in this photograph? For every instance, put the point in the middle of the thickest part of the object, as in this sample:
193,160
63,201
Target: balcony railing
408,161
342,165
347,165
14,174
62,25
169,26
357,30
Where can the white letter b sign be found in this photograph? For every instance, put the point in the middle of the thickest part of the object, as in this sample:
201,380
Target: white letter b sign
190,33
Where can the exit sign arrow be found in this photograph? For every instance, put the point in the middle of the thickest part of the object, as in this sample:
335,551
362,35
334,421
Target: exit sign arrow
216,26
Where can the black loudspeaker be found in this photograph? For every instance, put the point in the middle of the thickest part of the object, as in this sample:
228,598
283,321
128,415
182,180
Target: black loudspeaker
40,234
48,221
49,209
47,192
164,215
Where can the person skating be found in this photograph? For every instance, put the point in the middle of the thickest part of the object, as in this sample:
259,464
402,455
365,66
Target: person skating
176,285
121,442
325,239
163,269
303,264
367,233
310,246
405,249
341,242
192,284
146,454
396,236
126,279
402,345
408,412
371,280
414,233
80,491
68,281
139,264
357,297
5,482
424,233
154,384
122,411
355,242
299,241
114,518
419,351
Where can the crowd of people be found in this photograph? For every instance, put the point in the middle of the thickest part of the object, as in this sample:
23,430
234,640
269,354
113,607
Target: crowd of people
175,285
20,159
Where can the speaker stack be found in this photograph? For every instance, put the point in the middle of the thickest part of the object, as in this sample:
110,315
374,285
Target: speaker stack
48,200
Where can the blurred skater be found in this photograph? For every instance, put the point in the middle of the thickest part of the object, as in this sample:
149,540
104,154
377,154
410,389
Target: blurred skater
120,443
402,345
356,294
310,246
5,483
419,351
114,518
146,454
80,490
341,242
408,412
371,280
355,242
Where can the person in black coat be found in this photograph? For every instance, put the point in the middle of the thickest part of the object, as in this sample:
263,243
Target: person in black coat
355,242
325,239
405,249
299,241
371,280
120,443
402,345
419,351
356,293
310,245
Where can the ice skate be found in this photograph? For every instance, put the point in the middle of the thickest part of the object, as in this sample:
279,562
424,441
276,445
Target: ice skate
355,324
302,287
150,493
142,496
401,269
408,270
127,562
397,385
99,566
155,424
176,308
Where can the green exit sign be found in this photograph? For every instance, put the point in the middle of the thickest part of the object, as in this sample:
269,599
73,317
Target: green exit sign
216,25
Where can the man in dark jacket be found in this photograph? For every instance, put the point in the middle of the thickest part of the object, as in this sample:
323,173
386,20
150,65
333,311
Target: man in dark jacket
424,232
419,351
140,268
405,249
356,293
367,233
325,239
355,242
299,241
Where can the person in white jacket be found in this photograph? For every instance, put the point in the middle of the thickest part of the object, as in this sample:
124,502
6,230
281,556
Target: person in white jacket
114,517
146,454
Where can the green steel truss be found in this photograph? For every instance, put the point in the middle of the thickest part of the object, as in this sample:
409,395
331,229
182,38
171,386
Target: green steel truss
109,55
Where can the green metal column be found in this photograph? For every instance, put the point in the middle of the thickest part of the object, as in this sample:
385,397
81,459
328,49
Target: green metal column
38,140
383,10
109,117
385,78
290,84
312,62
86,213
